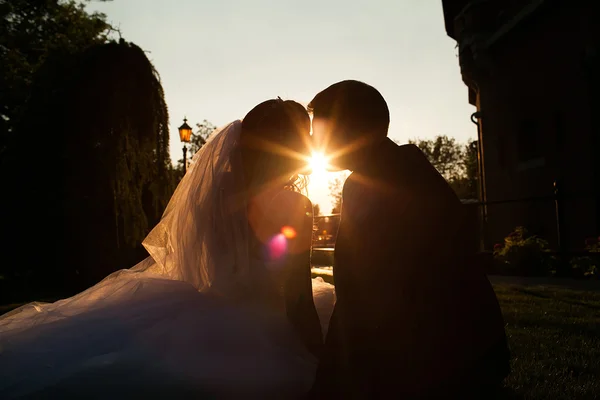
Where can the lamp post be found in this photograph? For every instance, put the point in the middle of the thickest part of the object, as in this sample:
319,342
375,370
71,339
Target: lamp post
185,134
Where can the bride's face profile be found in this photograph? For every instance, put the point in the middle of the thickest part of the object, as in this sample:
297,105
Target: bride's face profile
275,142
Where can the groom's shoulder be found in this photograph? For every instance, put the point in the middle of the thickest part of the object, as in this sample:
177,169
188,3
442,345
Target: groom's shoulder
359,187
409,149
409,157
350,181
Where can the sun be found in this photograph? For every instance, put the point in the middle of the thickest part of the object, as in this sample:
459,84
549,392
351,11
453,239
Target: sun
320,180
318,165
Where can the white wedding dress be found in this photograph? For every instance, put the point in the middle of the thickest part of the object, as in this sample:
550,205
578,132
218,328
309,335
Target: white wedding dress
189,321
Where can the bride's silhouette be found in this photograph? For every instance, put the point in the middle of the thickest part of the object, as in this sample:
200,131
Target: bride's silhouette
223,306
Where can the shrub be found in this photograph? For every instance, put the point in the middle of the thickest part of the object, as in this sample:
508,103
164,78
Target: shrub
588,267
523,254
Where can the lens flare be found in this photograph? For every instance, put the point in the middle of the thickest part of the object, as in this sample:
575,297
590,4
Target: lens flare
288,232
277,246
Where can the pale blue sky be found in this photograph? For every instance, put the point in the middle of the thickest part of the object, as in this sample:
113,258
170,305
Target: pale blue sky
219,58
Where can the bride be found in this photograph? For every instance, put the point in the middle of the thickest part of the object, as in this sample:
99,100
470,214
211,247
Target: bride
223,306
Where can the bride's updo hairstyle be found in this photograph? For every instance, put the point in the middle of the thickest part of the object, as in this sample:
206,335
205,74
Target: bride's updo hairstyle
274,143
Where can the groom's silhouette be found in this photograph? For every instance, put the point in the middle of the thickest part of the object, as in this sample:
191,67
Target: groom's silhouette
414,318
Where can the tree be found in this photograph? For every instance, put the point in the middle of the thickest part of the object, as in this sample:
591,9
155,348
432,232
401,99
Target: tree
466,185
99,175
444,153
316,210
335,191
456,162
30,32
471,179
198,139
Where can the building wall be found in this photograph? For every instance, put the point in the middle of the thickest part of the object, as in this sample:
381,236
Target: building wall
536,127
537,112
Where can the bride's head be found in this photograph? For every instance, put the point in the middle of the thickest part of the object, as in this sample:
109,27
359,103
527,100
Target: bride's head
275,141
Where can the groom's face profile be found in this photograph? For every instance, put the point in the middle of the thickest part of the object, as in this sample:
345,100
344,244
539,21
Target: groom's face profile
350,118
343,147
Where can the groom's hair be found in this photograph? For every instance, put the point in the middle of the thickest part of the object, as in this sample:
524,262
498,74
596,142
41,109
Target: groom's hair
355,108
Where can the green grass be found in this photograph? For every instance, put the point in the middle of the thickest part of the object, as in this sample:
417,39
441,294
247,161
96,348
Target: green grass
554,336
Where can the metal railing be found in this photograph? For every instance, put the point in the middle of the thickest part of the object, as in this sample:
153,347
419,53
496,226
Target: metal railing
325,231
325,241
558,197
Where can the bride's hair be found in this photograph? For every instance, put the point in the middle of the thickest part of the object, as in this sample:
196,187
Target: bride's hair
275,144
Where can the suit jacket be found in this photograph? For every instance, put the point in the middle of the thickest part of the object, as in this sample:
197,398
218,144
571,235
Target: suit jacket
413,313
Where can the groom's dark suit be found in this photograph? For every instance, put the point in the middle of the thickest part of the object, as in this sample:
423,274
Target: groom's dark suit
414,317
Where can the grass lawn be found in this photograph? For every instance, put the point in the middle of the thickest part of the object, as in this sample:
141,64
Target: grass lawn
554,336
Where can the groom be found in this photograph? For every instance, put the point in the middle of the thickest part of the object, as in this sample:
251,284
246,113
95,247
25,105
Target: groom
414,317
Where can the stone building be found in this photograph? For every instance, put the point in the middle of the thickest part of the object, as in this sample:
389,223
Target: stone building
531,69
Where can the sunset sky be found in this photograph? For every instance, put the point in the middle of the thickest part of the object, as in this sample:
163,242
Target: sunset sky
217,59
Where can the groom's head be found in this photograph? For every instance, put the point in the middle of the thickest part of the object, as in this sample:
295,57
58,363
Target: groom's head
349,119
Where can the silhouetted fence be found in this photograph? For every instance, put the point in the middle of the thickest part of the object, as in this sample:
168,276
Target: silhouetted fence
552,205
556,201
325,229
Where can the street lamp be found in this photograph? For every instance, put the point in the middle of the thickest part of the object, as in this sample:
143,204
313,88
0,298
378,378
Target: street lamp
185,134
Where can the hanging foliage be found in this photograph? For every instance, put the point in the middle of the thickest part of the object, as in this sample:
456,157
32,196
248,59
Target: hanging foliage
99,174
30,31
119,99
